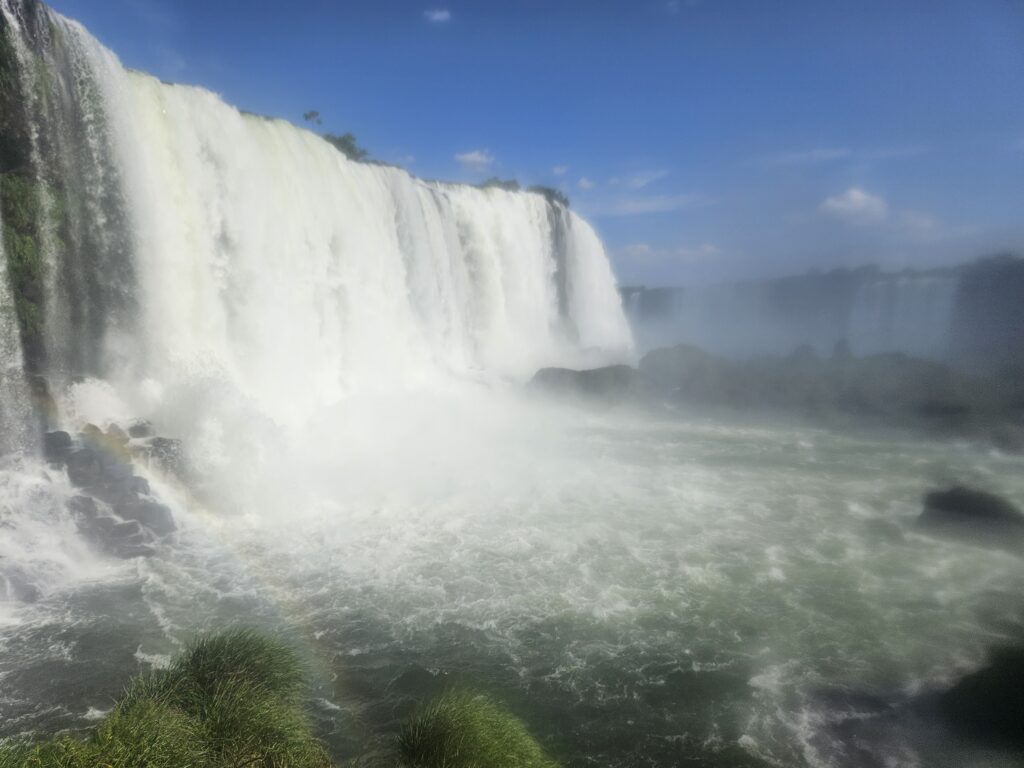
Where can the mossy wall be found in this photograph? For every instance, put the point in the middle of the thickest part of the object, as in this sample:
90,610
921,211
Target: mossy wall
23,204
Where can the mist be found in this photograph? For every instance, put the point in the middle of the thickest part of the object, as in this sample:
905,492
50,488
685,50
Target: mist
308,458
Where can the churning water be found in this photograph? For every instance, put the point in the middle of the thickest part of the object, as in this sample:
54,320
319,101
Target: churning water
339,347
642,589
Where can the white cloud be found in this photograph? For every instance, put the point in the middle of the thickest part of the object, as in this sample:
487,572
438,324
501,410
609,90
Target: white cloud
645,178
475,160
585,183
644,204
560,170
645,254
831,154
438,15
809,156
856,205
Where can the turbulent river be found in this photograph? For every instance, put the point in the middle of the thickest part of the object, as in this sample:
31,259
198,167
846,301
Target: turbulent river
341,349
643,589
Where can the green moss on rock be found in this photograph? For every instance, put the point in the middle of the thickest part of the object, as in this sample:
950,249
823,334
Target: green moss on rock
23,207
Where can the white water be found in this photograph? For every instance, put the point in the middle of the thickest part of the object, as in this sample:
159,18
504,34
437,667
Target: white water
290,314
267,259
332,342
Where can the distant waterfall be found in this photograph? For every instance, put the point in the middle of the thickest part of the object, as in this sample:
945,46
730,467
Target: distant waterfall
871,311
182,237
911,314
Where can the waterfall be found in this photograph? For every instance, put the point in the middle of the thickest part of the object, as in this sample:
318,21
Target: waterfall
911,313
183,238
873,311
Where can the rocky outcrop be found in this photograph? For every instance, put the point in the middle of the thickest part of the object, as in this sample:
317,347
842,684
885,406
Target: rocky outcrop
613,382
891,389
116,511
974,515
988,705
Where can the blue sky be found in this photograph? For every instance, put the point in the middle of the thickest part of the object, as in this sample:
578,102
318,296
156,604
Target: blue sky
705,139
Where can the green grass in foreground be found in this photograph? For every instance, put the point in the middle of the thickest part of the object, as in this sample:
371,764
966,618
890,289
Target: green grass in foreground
462,730
234,701
230,701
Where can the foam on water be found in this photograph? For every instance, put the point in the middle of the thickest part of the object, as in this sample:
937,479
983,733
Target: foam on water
339,347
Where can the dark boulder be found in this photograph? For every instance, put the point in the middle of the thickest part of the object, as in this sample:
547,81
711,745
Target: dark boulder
85,467
167,454
116,436
972,514
988,705
57,447
611,382
155,516
140,429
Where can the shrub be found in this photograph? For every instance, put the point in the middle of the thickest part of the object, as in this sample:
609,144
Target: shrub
228,701
552,195
509,185
346,144
462,730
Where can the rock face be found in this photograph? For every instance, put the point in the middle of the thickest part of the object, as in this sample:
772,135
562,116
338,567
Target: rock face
891,389
610,383
988,706
115,512
975,515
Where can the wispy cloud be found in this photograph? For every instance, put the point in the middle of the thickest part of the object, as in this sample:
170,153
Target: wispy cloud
585,183
643,253
154,13
641,179
438,15
645,204
819,155
475,160
856,205
674,7
560,170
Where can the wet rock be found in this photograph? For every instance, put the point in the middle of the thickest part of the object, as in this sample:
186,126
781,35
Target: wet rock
155,516
140,429
116,436
166,453
972,514
84,506
135,550
988,705
611,382
57,447
85,467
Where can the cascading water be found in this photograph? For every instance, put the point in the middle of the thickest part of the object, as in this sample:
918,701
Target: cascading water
872,311
332,343
910,314
246,247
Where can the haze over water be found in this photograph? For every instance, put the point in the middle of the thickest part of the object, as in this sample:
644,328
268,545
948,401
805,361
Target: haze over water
342,350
